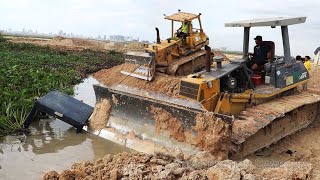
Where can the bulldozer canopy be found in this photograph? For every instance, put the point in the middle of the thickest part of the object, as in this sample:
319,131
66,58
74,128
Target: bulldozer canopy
181,16
280,21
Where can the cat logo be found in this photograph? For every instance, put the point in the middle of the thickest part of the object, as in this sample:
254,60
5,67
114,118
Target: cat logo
303,75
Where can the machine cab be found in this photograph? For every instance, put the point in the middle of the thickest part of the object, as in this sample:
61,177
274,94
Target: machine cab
281,72
195,38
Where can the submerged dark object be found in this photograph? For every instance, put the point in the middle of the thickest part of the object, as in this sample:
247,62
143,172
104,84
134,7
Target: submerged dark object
63,107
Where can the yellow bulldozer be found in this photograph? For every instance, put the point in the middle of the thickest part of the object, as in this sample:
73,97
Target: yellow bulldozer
180,54
261,107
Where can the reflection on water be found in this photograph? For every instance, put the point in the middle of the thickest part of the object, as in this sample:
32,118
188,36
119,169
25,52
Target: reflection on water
85,92
52,145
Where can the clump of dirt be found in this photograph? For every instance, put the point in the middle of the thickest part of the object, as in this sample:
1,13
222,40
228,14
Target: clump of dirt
162,83
212,135
165,122
100,115
295,170
164,165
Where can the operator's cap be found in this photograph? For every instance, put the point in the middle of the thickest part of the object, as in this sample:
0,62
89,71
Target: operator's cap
258,38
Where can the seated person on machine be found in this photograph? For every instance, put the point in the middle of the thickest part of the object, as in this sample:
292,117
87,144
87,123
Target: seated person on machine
183,30
262,50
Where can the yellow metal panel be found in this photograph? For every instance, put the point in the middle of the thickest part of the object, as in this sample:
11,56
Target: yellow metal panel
262,96
211,91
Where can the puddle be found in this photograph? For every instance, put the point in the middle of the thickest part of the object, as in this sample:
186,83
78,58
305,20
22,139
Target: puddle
53,145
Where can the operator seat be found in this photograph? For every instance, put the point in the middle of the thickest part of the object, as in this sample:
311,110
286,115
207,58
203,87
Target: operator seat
271,53
259,71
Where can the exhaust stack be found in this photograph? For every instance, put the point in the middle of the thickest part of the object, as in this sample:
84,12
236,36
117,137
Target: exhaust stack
158,36
208,57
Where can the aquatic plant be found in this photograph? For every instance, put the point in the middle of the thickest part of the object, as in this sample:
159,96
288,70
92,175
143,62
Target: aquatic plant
27,72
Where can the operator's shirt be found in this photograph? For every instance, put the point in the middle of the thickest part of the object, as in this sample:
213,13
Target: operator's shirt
307,64
184,27
260,53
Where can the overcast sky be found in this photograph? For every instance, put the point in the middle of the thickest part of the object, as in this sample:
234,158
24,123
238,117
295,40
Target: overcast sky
140,17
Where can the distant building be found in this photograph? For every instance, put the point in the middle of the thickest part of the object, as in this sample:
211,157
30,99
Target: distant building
120,38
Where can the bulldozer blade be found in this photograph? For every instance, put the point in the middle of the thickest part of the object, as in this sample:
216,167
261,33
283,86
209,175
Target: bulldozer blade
133,107
140,72
131,110
145,65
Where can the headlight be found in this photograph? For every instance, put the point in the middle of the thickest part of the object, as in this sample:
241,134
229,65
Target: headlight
209,84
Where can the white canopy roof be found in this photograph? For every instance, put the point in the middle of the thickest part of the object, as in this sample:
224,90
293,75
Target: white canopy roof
279,21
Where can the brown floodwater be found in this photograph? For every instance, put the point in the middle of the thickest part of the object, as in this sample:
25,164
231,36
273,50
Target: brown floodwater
53,145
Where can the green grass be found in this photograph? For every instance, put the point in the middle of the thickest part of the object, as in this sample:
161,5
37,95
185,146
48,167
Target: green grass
29,71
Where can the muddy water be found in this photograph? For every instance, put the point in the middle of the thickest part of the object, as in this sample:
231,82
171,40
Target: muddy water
52,145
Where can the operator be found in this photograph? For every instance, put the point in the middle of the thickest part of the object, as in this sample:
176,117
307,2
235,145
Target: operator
183,30
260,55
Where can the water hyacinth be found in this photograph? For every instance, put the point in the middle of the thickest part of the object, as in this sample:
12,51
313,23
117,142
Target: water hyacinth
27,72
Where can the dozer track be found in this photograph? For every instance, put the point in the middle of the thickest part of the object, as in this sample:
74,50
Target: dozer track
188,64
262,125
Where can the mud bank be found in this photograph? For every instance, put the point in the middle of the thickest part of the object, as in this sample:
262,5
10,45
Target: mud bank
162,83
173,165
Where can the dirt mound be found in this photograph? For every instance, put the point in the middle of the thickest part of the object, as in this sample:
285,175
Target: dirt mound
314,82
162,83
165,122
212,135
100,115
168,165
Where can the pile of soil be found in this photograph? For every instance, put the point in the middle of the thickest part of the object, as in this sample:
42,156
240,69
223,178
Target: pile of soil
165,122
209,134
213,135
173,165
100,115
162,83
314,82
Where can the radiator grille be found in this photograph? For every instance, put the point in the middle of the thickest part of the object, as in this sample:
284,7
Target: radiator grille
189,89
